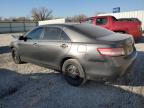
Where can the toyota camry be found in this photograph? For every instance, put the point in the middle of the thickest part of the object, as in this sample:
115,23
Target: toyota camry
80,52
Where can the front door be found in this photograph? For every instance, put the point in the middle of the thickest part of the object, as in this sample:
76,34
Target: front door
29,49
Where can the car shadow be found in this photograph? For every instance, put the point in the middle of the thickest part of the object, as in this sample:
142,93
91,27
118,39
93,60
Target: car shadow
4,49
10,81
52,91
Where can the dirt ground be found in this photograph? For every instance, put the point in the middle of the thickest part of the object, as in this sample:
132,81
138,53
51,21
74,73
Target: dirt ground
31,86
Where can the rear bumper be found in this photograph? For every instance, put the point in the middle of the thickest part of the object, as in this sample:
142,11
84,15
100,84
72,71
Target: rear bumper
110,68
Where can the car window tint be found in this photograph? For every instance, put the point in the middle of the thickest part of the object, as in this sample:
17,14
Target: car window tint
35,34
101,21
64,36
52,33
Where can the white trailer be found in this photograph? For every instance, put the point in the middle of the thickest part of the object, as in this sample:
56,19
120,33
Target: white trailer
53,21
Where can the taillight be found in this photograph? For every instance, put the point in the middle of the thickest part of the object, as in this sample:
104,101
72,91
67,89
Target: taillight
111,51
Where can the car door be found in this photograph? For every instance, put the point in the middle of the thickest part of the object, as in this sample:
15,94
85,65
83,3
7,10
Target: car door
53,48
29,49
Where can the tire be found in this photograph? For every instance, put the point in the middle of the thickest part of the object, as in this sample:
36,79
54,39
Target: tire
72,70
15,56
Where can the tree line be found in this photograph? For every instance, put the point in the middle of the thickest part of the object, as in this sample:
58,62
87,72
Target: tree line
43,13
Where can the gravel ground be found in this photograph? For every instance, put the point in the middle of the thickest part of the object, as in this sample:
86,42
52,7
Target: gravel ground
31,86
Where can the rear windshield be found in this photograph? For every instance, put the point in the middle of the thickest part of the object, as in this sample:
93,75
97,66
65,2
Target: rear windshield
91,30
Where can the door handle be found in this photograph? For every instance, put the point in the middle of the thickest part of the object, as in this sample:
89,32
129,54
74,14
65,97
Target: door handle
35,44
64,46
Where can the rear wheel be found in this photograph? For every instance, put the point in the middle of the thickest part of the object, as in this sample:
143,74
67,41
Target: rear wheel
72,71
15,56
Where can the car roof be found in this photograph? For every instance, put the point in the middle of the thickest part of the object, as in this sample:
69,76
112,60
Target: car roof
60,25
81,32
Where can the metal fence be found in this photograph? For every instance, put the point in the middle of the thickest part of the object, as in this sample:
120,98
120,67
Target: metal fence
9,27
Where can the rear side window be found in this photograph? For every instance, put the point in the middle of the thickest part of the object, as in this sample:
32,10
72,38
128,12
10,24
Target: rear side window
52,33
35,34
64,36
101,21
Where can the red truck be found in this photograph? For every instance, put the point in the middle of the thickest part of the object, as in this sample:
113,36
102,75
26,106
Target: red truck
111,23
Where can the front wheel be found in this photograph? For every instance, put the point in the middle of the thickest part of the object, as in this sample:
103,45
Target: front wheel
15,56
72,71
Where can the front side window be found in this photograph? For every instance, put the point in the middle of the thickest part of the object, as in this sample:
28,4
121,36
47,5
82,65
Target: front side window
101,21
35,34
52,33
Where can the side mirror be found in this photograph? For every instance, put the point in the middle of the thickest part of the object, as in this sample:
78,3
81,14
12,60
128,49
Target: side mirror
22,38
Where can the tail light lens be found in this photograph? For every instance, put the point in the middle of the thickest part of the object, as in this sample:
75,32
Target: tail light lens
111,51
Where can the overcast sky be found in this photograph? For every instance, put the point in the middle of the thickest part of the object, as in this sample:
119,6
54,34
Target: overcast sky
63,8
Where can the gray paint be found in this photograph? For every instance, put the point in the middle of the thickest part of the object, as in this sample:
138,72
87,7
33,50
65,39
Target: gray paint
51,53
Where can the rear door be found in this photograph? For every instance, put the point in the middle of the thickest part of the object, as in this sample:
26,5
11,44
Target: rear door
54,46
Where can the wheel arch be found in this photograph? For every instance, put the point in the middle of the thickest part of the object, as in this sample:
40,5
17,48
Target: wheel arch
71,57
63,60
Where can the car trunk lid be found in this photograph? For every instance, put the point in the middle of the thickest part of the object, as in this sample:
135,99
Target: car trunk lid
118,40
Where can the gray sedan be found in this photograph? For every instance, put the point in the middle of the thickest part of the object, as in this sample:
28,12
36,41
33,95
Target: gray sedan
80,51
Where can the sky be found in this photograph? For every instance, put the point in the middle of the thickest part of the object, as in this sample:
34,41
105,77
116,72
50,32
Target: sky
64,8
